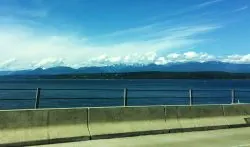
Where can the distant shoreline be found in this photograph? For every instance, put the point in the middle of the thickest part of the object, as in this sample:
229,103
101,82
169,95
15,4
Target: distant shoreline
139,75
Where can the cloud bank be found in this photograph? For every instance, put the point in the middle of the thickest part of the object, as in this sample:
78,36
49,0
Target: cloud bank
130,59
34,48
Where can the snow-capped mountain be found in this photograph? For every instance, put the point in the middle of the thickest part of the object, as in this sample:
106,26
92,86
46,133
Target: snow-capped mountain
173,67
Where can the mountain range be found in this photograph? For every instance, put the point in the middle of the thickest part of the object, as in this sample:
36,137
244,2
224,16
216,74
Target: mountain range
121,68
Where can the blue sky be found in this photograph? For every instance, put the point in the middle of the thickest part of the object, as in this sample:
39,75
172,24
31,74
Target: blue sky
46,33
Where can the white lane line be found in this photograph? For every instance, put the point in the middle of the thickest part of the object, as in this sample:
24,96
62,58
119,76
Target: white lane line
242,145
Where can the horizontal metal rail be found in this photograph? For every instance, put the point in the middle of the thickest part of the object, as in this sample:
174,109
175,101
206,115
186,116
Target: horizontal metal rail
157,97
174,90
80,98
16,99
17,89
84,89
245,97
130,89
211,97
212,89
243,90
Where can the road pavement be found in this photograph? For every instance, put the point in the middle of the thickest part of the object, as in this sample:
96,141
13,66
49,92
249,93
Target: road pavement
239,137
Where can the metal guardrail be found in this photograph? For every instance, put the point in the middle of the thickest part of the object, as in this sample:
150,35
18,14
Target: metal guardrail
190,97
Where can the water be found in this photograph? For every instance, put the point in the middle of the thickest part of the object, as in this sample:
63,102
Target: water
115,97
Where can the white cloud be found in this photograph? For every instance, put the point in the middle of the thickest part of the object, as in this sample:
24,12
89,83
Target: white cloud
245,59
190,55
45,47
29,44
36,46
48,63
173,55
26,45
6,64
115,59
241,9
208,3
151,57
193,30
129,59
148,58
187,10
161,61
130,30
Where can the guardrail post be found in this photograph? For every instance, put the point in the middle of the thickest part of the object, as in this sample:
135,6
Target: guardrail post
125,97
190,97
233,96
38,91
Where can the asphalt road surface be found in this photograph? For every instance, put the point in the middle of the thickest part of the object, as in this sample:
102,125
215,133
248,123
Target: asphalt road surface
239,137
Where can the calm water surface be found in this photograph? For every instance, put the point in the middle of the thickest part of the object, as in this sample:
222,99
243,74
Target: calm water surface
115,97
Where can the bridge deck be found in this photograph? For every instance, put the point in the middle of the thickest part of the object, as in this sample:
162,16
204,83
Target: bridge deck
239,137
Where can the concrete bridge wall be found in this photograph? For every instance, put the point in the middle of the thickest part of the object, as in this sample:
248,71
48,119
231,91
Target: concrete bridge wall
43,126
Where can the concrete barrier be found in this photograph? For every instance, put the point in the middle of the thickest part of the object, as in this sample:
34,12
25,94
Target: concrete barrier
121,121
68,124
32,127
237,115
209,116
21,127
203,117
186,117
171,119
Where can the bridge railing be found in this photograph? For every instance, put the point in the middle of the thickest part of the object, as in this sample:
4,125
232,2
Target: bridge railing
124,97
